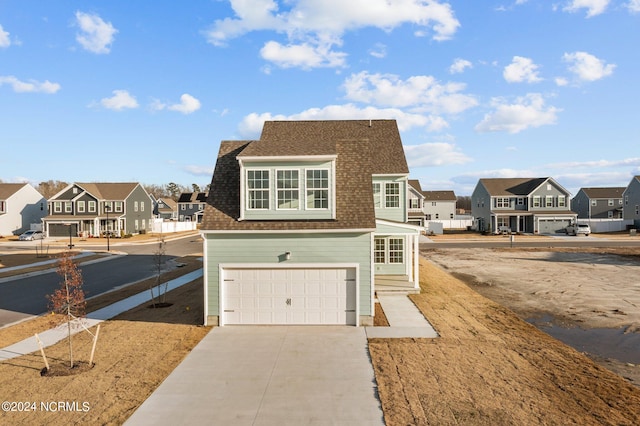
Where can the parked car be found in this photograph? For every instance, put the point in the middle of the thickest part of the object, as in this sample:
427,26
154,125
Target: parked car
578,228
31,235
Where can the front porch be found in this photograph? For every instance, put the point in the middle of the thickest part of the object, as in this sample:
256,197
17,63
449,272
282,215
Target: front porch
395,284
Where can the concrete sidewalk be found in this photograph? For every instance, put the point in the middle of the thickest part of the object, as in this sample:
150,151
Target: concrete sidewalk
269,375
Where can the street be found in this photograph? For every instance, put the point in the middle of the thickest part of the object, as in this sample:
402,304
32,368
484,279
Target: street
26,296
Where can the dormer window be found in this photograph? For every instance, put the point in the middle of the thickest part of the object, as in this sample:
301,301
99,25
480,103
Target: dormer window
317,189
288,189
392,194
258,189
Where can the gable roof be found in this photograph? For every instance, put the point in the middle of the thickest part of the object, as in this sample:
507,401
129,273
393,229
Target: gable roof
109,191
513,186
361,150
439,196
7,190
605,192
415,184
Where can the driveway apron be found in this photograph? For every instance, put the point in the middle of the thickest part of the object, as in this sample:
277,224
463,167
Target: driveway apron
270,375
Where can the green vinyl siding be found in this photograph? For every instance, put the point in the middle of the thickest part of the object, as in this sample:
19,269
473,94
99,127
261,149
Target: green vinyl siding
251,249
391,200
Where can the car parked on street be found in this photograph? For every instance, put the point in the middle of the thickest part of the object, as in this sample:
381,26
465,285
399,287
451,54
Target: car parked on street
31,235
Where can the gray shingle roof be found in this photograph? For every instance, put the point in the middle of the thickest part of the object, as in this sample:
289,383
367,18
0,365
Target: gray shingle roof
606,192
109,191
361,150
8,189
511,186
439,196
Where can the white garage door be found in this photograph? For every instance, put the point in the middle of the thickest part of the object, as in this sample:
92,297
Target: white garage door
289,296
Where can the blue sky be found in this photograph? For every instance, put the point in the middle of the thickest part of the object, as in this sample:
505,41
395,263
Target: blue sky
145,90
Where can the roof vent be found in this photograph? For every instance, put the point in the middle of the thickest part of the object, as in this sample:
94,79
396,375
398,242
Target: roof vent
370,123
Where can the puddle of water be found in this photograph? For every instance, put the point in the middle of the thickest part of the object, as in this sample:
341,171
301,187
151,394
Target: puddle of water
603,342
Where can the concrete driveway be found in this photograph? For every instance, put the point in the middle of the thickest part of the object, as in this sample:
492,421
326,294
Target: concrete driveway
270,375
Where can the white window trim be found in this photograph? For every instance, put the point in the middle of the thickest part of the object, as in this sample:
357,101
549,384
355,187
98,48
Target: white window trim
329,188
91,206
387,250
385,197
248,191
284,189
80,205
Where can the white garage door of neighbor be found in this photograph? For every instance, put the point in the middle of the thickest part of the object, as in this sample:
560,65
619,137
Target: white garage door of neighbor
289,296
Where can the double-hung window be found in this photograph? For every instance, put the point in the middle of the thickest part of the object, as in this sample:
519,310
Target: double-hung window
68,208
388,250
318,189
536,201
92,206
80,206
502,202
562,201
392,194
258,189
379,250
377,195
288,189
396,250
548,201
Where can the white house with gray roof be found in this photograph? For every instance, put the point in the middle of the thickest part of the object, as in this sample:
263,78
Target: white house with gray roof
20,206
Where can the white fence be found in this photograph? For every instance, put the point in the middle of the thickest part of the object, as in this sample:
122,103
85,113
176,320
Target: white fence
607,225
161,227
449,224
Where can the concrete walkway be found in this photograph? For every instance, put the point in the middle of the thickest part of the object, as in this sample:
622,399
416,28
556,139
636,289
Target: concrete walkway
269,375
405,320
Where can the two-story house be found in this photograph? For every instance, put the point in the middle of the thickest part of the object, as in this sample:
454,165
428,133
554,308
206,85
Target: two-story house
439,205
191,206
165,208
631,200
528,205
20,206
300,223
598,203
91,209
415,201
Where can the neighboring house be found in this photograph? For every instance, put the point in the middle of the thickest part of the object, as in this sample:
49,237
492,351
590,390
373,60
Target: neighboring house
598,203
90,209
415,201
439,205
530,205
191,206
301,223
165,208
631,196
20,206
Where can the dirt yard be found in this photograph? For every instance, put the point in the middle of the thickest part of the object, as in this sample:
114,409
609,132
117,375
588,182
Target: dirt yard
491,368
586,289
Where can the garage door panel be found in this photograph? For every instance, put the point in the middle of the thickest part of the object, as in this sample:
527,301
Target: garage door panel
290,296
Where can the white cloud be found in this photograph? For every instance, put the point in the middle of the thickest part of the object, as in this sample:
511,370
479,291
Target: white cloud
380,50
528,111
594,7
587,67
423,93
305,55
634,6
561,81
521,69
120,100
459,65
5,41
187,105
31,86
313,27
626,162
252,124
96,35
434,154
